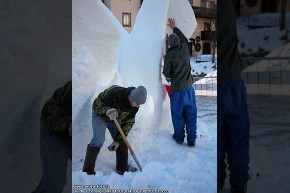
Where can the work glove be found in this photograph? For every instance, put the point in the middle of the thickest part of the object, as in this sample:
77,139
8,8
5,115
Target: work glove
112,113
70,130
113,146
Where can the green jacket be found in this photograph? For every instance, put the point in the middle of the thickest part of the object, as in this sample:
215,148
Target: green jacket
117,97
57,112
177,64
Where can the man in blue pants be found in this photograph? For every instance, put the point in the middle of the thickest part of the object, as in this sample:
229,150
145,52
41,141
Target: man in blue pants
177,69
233,120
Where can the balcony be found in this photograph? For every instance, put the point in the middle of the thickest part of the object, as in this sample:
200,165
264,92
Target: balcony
208,35
202,12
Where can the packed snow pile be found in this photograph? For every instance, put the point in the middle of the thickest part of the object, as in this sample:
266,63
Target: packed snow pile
210,78
207,85
264,39
166,165
201,68
273,65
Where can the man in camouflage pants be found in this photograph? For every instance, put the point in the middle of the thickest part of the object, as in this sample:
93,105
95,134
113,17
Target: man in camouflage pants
107,106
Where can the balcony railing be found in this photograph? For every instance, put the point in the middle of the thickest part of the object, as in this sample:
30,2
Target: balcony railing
202,12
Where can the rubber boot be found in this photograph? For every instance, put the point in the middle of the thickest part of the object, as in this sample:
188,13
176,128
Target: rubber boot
90,160
122,160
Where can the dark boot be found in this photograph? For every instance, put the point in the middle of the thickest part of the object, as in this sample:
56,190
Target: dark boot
179,142
90,160
238,189
191,143
122,160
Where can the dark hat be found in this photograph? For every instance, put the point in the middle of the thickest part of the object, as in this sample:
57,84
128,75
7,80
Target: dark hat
139,95
173,40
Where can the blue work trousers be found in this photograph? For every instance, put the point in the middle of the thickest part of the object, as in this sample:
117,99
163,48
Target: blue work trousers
184,113
233,132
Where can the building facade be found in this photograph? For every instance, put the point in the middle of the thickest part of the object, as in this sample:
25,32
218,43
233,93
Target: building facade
125,11
202,41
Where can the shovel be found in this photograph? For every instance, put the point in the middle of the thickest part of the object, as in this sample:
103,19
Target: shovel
128,144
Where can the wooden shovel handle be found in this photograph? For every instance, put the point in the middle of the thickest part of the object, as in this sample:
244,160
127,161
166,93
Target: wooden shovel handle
124,137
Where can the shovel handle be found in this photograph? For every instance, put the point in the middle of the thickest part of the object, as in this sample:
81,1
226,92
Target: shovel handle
124,137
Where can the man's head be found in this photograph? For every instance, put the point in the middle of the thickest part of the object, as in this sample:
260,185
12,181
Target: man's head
138,96
173,40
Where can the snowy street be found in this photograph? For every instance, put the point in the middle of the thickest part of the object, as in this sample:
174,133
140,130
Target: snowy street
269,144
166,165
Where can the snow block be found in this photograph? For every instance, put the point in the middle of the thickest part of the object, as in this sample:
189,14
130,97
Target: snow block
96,42
183,14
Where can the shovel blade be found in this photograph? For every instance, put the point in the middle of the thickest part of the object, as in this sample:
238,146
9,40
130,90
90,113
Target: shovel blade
137,162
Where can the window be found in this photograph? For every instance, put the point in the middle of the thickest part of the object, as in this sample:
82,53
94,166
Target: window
204,3
207,4
206,48
207,26
126,19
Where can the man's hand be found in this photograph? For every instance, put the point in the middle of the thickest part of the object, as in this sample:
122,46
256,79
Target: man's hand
112,113
113,146
70,130
171,23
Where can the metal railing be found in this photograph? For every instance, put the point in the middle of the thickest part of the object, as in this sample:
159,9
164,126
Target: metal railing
267,75
267,81
203,12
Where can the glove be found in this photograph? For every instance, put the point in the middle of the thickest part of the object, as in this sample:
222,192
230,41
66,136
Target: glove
113,146
112,113
70,130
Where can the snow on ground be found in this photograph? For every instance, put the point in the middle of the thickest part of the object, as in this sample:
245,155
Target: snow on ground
269,144
210,78
262,39
208,84
201,68
274,65
166,165
269,150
